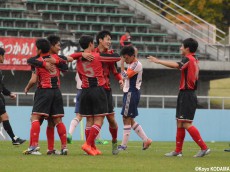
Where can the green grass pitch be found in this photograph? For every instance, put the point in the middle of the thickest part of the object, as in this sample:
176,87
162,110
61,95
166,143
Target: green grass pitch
134,159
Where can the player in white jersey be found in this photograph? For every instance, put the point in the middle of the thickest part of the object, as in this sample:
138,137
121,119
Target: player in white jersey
132,83
75,121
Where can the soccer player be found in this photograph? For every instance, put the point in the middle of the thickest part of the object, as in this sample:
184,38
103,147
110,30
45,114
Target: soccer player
48,101
4,117
75,121
133,78
55,47
103,39
93,100
187,99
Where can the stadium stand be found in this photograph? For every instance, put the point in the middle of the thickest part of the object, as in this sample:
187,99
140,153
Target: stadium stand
35,18
71,18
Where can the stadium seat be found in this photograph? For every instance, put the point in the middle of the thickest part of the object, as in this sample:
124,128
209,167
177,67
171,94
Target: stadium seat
17,22
71,25
116,35
60,15
19,31
12,12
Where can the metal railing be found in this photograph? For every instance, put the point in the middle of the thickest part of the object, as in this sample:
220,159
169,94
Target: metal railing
146,101
176,14
206,33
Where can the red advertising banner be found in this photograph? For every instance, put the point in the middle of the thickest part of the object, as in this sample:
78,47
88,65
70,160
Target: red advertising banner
18,50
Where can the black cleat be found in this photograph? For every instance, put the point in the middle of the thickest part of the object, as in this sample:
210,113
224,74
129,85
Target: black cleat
18,141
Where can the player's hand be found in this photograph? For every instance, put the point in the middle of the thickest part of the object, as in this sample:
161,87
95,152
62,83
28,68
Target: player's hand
153,59
121,82
88,56
13,96
122,59
69,59
26,90
50,60
50,67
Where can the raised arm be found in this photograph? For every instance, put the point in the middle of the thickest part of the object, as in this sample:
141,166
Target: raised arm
34,62
133,70
62,65
170,64
77,55
109,57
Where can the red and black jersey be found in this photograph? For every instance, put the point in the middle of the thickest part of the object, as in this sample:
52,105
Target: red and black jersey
48,79
61,61
189,72
91,72
109,67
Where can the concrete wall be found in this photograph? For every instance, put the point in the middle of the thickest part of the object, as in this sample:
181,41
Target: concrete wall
159,124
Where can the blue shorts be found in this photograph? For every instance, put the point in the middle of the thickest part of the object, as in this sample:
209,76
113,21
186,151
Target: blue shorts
77,100
130,104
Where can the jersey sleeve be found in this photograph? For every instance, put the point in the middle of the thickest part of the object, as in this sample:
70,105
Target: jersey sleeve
132,70
76,56
114,70
109,57
62,63
183,63
33,61
5,91
63,57
33,70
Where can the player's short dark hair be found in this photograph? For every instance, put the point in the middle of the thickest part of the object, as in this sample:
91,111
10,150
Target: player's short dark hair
2,51
43,45
127,50
53,39
85,40
190,43
127,31
102,34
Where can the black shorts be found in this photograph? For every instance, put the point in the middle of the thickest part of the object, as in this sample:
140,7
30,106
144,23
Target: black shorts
110,101
48,102
93,102
2,105
186,105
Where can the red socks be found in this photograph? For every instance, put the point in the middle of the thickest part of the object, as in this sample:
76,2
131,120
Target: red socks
62,134
50,137
34,133
95,129
196,137
87,131
113,132
180,135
